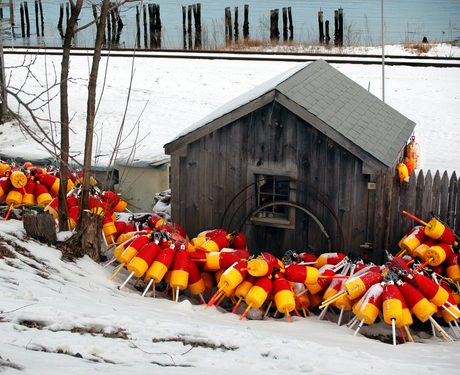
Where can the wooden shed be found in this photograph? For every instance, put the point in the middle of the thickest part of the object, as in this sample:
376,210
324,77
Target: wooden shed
290,164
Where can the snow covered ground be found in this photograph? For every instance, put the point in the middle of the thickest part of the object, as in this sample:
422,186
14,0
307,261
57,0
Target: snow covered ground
54,314
169,95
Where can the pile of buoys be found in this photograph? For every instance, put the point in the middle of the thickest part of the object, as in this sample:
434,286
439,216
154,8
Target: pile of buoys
28,185
413,285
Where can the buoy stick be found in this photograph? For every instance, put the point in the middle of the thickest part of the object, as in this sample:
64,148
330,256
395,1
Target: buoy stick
288,316
237,304
127,279
202,299
334,296
246,311
220,299
402,334
147,288
333,299
452,328
361,323
297,313
333,277
111,261
424,264
416,218
268,308
408,333
8,214
450,312
352,322
302,292
118,270
304,313
177,294
401,253
137,281
321,316
340,316
453,306
440,330
393,330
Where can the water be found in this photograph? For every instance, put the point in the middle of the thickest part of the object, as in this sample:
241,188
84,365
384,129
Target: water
405,21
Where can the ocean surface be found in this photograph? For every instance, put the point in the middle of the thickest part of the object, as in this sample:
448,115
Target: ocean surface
406,21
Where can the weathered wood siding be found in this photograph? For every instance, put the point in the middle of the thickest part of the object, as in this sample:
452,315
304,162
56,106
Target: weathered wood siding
220,165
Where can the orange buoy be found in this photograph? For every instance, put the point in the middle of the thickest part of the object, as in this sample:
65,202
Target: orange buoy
452,267
237,241
402,171
301,274
258,294
180,270
14,196
406,320
437,254
322,283
413,239
284,297
5,185
215,244
431,290
161,264
133,249
42,194
219,260
18,179
418,304
329,258
50,181
243,289
450,312
357,285
196,284
367,309
114,201
4,168
72,220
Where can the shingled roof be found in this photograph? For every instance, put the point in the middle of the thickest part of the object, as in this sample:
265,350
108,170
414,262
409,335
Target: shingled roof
344,110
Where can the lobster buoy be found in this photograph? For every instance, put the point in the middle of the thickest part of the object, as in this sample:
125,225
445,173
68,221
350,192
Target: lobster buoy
284,297
18,179
431,290
215,244
142,261
114,201
42,194
5,184
237,241
14,197
439,232
356,286
29,196
72,220
417,303
452,267
437,254
392,305
324,281
133,249
51,182
4,168
402,171
419,251
329,258
213,232
413,239
413,152
243,289
219,260
180,270
196,284
258,294
161,264
370,304
301,274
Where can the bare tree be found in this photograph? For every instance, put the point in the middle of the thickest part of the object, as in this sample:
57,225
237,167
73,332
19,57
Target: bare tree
64,159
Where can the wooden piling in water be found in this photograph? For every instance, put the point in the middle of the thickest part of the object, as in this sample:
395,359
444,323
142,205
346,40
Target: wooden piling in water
61,16
321,27
138,27
336,27
146,35
26,13
328,38
285,25
340,26
21,11
67,13
274,29
228,25
184,27
42,19
291,26
36,18
246,22
189,28
235,25
197,17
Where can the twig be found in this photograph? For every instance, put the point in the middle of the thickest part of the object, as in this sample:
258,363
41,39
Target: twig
19,308
170,356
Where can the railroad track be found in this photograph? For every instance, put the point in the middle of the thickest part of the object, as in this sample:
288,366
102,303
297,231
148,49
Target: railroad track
442,62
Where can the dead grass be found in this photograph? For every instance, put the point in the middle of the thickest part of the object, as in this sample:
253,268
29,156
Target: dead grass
418,48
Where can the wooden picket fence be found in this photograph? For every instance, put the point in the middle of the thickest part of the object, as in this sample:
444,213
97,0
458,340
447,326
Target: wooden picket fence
423,196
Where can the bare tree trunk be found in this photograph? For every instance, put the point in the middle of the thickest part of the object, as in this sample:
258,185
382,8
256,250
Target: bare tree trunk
63,167
91,108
